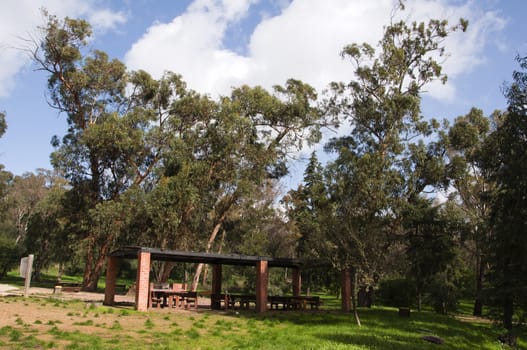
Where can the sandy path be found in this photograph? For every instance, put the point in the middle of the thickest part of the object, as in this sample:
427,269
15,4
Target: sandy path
6,290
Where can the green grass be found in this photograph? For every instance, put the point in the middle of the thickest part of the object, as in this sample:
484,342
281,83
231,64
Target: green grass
71,327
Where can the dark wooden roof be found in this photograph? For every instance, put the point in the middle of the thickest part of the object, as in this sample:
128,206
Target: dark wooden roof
157,254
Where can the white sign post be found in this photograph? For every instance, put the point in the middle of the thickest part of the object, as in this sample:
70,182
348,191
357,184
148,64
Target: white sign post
26,265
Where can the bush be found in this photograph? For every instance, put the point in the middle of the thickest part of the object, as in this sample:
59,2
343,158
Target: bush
9,255
396,292
443,294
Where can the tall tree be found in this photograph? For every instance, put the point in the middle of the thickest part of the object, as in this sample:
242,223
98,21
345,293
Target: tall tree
45,236
376,164
473,191
8,248
186,158
26,192
3,124
506,162
255,131
106,149
307,207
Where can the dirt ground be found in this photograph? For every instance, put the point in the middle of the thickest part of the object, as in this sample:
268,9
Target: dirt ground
35,307
83,312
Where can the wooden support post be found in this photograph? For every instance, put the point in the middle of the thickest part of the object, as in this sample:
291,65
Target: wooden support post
111,275
262,278
216,287
142,281
346,290
297,282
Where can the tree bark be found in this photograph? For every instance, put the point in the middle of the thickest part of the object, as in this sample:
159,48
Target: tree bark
94,266
212,237
354,282
508,310
480,270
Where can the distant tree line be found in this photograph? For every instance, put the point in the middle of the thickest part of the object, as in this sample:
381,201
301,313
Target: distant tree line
151,162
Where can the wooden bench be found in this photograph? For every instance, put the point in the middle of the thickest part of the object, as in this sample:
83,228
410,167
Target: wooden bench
191,300
286,302
67,287
313,302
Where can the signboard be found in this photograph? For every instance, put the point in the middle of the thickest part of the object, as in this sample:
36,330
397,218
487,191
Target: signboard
26,264
23,266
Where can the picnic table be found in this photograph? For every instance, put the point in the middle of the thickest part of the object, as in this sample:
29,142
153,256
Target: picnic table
298,302
276,302
169,297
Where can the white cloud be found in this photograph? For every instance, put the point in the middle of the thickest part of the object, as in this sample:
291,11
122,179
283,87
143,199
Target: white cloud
106,19
303,42
19,20
192,45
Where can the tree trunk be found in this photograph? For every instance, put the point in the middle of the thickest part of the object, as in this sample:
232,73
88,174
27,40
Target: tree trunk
166,269
353,296
212,237
60,271
419,301
94,266
205,275
508,310
480,271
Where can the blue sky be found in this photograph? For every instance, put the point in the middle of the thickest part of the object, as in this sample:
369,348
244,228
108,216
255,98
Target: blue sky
217,45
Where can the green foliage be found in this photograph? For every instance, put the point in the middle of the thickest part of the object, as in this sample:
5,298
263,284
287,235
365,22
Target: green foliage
443,293
472,192
385,162
396,292
164,165
506,163
9,255
3,124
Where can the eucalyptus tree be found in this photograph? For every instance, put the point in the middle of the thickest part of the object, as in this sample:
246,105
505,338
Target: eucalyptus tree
45,236
253,133
8,248
141,146
506,162
3,124
4,175
384,163
112,142
25,192
471,189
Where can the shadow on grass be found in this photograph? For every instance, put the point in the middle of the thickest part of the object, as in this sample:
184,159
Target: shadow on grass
382,328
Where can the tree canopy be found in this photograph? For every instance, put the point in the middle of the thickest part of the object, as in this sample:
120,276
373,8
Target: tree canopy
436,208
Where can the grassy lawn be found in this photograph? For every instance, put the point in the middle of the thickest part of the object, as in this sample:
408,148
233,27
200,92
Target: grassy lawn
40,323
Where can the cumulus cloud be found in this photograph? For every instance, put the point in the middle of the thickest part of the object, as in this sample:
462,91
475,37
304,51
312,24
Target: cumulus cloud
303,41
19,21
106,19
192,45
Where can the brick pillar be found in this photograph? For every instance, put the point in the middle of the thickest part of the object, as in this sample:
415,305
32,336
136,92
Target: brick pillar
297,282
262,278
111,275
346,290
142,281
215,302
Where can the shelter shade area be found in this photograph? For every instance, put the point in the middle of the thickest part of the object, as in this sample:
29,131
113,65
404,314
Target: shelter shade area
145,256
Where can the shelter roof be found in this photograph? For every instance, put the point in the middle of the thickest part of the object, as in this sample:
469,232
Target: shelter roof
156,254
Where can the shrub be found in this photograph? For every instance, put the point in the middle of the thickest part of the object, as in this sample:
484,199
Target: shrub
396,292
443,294
9,255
